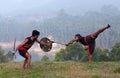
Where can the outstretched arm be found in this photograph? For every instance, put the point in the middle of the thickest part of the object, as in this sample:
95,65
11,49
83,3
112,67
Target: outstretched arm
71,42
43,43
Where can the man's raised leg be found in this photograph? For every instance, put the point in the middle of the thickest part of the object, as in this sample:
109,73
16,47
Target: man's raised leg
100,31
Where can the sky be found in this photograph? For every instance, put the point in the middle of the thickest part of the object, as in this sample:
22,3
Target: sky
8,7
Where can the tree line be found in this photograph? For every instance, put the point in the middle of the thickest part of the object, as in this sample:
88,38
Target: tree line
76,52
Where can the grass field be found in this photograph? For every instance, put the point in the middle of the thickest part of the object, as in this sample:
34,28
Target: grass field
62,70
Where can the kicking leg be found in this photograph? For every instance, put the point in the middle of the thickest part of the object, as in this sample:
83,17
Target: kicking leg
94,35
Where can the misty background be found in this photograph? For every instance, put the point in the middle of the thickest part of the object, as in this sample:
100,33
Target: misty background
58,20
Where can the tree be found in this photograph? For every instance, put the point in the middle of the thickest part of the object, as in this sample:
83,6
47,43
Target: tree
101,55
61,55
3,58
9,56
115,52
73,52
45,59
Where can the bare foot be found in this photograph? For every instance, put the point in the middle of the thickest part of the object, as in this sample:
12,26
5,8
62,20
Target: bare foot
28,70
108,26
90,62
23,68
19,69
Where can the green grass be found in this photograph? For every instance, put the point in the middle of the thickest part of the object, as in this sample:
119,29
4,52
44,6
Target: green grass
62,70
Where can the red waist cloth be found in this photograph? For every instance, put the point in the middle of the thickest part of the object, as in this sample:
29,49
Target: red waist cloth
22,48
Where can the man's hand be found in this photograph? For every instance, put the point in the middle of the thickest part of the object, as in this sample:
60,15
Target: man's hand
66,44
13,53
49,44
52,42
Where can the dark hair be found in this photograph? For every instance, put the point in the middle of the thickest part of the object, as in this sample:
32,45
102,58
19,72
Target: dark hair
35,32
78,35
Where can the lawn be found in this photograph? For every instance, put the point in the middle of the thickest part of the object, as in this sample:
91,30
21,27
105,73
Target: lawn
62,70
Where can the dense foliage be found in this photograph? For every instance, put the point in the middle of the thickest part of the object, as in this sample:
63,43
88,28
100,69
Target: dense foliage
5,57
77,53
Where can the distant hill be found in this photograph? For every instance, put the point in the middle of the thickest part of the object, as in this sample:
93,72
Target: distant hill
63,26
